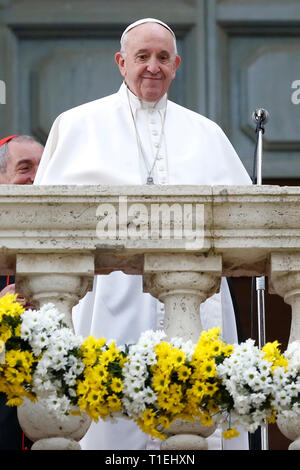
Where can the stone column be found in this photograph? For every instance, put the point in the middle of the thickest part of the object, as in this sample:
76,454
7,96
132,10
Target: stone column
183,281
61,279
285,281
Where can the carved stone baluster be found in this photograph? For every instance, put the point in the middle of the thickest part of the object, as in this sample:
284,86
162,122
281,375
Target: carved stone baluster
285,281
61,279
183,282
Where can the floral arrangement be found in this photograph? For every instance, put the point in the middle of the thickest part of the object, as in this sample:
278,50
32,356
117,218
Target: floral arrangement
152,382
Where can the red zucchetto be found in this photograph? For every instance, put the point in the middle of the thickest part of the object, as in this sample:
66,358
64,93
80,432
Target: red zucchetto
7,139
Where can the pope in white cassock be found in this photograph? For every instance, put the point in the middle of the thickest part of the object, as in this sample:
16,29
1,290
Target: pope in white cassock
133,137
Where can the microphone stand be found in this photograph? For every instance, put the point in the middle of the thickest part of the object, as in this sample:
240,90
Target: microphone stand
260,116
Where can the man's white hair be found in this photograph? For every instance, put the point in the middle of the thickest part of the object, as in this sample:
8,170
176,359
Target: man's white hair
143,21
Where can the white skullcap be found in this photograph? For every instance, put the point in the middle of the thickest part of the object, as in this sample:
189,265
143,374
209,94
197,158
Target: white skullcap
146,20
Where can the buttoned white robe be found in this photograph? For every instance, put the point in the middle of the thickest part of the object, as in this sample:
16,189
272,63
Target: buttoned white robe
96,143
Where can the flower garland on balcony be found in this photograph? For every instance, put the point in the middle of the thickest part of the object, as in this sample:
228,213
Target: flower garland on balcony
152,382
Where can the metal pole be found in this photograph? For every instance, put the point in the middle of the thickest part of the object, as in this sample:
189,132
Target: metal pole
261,116
260,288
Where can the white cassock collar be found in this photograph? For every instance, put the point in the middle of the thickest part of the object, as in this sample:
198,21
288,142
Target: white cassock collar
136,103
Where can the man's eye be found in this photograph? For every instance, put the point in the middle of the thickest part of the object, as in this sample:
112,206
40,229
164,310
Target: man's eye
142,57
23,169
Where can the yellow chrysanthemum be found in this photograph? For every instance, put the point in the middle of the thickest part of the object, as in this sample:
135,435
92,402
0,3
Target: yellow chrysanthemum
183,373
114,403
197,390
148,417
178,357
160,382
16,401
211,389
206,419
163,350
272,354
230,433
91,350
116,385
82,387
164,421
9,306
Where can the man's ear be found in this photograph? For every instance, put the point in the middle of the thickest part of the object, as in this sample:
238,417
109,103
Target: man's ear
176,65
177,61
120,60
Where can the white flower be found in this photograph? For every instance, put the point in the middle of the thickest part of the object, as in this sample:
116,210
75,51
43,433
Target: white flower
149,395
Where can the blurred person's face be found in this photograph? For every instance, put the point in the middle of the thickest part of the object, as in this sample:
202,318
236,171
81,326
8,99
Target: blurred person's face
22,162
149,62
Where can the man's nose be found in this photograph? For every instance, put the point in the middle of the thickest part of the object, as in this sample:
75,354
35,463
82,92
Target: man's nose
153,66
30,178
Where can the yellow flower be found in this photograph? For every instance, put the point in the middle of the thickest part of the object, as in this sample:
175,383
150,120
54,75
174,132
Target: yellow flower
208,369
114,403
230,433
272,419
148,417
162,350
178,357
75,412
150,428
18,330
16,401
164,401
91,350
228,350
183,373
211,389
112,352
206,419
212,407
116,385
82,403
103,410
13,375
198,390
100,372
272,354
82,387
164,421
160,382
91,342
9,306
175,391
94,397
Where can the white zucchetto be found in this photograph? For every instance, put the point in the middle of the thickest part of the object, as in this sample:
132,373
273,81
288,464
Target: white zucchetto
146,20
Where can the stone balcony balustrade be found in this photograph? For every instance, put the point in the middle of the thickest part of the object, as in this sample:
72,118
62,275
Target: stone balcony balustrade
182,239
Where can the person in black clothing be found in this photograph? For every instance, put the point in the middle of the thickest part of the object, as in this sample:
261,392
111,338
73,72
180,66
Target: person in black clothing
19,160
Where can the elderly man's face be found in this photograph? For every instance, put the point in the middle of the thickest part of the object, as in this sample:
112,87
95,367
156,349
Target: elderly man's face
22,162
150,63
